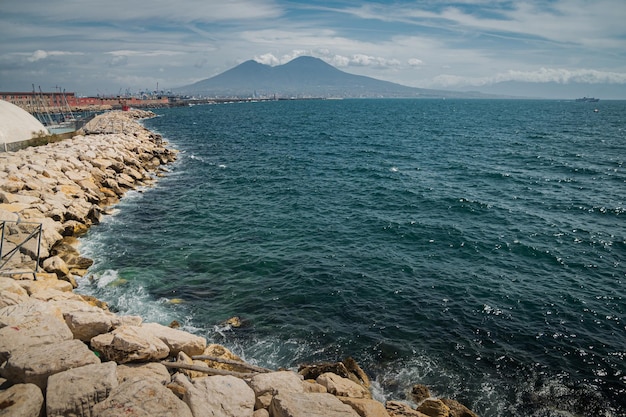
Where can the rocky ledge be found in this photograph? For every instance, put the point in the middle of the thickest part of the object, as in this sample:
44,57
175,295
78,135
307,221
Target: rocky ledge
66,354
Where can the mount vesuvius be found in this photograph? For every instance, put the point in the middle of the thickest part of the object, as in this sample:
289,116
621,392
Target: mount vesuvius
304,76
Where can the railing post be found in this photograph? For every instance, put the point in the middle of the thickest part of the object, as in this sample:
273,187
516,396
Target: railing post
38,249
2,239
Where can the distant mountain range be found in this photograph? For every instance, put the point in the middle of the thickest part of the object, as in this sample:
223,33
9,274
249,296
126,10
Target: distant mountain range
304,76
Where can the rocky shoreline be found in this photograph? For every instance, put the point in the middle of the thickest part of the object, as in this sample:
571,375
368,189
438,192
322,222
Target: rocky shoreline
66,354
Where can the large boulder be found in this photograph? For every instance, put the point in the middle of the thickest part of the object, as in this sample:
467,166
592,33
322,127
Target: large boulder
342,387
21,400
400,409
33,287
457,409
217,396
11,293
177,340
309,405
434,408
365,407
419,393
130,343
36,364
74,392
139,398
348,368
150,370
267,385
56,265
13,315
30,324
87,321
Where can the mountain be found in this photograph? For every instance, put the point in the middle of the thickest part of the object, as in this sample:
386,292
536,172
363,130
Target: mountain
304,76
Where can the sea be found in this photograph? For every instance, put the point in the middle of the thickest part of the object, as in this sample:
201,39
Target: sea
474,246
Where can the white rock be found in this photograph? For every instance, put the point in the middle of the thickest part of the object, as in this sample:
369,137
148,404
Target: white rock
267,385
177,340
20,332
21,400
130,343
218,396
144,371
36,364
342,387
139,398
309,405
74,392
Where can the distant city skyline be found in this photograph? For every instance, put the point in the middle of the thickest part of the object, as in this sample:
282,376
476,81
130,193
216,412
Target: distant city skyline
549,49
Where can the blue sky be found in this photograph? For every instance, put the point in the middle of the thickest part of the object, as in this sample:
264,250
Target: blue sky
549,48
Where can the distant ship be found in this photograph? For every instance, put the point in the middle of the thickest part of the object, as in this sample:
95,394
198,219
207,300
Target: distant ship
588,99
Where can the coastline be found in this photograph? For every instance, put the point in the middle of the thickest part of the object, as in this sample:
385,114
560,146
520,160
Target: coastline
67,187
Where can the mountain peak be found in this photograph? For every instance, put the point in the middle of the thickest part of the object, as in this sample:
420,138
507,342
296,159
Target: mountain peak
304,76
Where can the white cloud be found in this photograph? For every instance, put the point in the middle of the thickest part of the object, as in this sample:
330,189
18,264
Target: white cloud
414,62
40,54
267,59
543,75
123,10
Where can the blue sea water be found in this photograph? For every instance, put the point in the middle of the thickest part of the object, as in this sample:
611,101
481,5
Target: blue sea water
477,247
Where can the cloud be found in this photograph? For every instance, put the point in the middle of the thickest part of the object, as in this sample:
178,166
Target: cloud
543,75
123,10
414,62
356,60
40,54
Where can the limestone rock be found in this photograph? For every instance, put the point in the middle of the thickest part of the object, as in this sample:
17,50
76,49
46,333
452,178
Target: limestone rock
309,405
419,393
218,396
151,370
130,343
267,385
50,294
84,320
220,351
182,357
33,287
365,407
75,391
400,409
42,327
342,387
9,298
13,315
11,292
21,400
36,364
457,409
138,398
177,340
312,386
56,265
348,368
434,408
261,412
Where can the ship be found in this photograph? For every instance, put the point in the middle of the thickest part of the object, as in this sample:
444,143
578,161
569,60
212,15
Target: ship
588,99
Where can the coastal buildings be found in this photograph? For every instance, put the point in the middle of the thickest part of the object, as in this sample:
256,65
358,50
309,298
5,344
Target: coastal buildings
36,101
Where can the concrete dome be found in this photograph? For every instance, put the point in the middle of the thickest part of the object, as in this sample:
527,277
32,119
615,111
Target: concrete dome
17,124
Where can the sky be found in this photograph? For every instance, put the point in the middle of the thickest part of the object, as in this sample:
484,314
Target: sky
533,48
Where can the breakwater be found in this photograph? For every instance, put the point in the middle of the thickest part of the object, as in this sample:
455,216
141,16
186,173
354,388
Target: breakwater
67,354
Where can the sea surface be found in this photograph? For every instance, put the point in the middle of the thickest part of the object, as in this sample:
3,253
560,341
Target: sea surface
477,247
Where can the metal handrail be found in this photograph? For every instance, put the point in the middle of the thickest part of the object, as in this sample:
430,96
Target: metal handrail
6,257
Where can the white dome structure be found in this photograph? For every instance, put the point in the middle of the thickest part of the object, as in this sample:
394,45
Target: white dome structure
17,125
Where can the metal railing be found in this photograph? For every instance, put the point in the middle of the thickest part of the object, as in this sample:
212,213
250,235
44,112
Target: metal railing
6,257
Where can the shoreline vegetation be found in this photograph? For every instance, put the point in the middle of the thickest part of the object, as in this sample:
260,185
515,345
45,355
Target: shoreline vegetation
66,354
